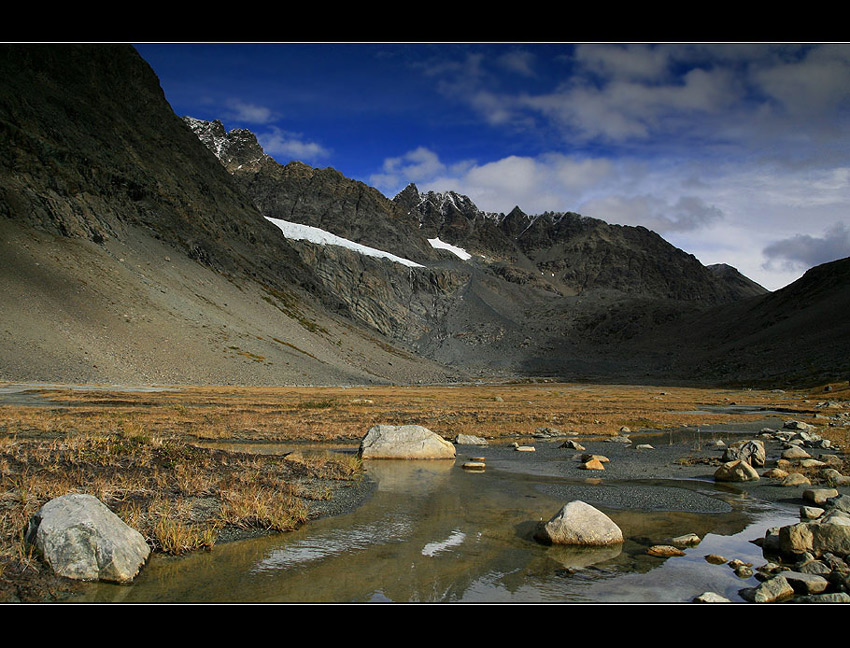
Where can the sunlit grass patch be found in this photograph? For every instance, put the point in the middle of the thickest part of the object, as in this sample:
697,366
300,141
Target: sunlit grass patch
253,505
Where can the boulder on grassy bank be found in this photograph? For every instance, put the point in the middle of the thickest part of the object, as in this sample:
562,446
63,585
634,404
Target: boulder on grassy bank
81,539
405,442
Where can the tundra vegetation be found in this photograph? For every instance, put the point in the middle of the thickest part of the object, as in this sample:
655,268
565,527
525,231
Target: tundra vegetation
177,464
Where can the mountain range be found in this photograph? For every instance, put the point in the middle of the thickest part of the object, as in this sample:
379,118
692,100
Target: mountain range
142,247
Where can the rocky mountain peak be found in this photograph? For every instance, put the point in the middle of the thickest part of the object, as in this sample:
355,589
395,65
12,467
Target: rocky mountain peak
237,149
730,276
409,196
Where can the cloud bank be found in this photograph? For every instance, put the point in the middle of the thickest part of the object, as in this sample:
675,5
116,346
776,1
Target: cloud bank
739,152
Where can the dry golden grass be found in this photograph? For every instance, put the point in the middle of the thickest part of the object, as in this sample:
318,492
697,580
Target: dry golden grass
339,414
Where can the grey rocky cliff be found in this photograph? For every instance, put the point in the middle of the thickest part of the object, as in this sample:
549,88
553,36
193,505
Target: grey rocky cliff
129,253
91,149
405,304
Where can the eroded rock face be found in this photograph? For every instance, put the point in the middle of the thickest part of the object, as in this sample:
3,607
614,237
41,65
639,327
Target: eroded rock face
405,442
578,523
81,539
401,303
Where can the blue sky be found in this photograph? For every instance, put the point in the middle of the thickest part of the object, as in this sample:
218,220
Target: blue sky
737,153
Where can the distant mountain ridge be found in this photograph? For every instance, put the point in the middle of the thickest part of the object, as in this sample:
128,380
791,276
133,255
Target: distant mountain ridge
572,254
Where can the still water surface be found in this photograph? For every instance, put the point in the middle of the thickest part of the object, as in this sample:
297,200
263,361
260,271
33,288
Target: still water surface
434,532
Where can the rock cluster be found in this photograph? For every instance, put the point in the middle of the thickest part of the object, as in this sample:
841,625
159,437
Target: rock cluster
812,559
797,438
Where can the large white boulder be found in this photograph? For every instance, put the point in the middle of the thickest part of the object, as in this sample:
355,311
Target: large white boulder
405,442
578,523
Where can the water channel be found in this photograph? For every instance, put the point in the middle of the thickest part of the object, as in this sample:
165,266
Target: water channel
433,531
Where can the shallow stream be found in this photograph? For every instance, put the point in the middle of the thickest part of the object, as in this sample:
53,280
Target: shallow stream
433,531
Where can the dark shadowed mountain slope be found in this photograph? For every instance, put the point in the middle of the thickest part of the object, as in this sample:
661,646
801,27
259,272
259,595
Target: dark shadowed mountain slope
556,293
90,146
130,254
743,286
798,334
130,251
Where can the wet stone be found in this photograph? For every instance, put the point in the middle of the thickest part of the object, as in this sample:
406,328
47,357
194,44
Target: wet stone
819,496
687,540
771,590
664,551
743,571
711,597
806,583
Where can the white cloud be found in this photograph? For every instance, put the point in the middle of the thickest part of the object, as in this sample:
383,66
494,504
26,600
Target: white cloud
661,214
624,109
242,111
282,144
814,85
783,99
803,251
634,61
413,166
735,152
519,61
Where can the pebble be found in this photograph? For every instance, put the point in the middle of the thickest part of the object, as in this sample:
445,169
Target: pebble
743,571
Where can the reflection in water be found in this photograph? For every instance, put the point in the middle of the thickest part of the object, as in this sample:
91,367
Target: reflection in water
432,531
580,557
455,539
345,541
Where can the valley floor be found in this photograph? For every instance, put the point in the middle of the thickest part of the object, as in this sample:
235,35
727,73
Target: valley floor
184,454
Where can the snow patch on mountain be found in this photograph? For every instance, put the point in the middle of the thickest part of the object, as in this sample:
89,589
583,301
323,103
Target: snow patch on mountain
299,232
442,245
